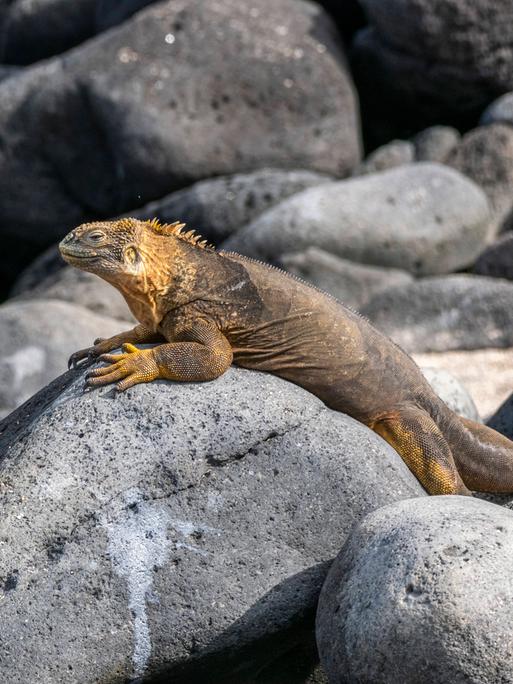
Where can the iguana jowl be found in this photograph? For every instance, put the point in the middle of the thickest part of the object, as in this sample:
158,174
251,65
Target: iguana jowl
207,309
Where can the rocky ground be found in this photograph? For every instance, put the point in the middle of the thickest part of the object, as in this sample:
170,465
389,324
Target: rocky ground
184,532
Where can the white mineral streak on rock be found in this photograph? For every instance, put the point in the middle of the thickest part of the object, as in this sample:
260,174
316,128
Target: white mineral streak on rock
138,543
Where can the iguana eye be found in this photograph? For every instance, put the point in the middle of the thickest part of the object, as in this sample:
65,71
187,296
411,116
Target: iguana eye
96,236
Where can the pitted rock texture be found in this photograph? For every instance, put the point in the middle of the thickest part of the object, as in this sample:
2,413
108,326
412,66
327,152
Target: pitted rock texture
444,313
351,283
183,90
37,337
421,592
176,529
423,218
218,207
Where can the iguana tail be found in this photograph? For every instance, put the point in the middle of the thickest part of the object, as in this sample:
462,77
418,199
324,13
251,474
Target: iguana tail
483,457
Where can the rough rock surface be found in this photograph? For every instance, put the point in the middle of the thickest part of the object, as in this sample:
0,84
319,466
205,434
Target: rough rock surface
486,156
424,218
497,259
421,592
394,153
218,207
500,111
452,391
177,528
85,289
435,143
486,373
452,312
37,337
181,91
435,60
352,283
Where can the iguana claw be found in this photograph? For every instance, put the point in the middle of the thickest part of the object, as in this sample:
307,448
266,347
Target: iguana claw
83,357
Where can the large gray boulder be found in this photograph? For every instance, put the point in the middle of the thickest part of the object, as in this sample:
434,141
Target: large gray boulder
450,312
421,592
424,218
176,529
435,60
486,156
218,207
183,90
351,283
85,289
36,338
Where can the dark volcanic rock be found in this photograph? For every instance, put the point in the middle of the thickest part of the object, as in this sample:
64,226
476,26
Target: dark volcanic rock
423,62
184,90
486,155
218,207
502,419
177,528
423,218
497,259
421,592
452,312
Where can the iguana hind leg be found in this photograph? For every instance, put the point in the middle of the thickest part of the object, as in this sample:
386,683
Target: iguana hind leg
416,438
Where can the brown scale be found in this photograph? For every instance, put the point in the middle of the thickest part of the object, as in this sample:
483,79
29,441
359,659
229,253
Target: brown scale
206,309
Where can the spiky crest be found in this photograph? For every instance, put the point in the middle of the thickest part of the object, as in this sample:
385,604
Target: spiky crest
176,230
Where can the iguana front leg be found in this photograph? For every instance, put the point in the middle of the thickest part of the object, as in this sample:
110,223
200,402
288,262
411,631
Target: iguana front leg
200,353
139,334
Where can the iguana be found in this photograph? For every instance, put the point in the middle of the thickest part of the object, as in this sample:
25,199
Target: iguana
206,309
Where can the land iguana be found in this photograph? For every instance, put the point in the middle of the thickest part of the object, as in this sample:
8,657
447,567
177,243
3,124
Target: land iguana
206,309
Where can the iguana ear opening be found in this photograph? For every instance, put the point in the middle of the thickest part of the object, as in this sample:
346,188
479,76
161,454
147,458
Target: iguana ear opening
131,255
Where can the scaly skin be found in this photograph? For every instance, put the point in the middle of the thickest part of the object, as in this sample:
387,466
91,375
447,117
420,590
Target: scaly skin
208,309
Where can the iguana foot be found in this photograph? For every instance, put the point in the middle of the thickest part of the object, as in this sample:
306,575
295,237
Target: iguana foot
131,367
87,355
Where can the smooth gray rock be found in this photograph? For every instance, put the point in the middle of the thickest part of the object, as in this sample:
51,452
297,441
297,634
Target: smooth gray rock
37,337
435,143
499,111
352,283
497,259
183,90
393,154
452,312
486,156
452,391
85,289
220,206
421,592
178,529
435,60
423,218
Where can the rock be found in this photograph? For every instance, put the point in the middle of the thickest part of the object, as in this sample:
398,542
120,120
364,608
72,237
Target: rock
499,111
486,373
486,156
85,289
110,13
352,283
430,62
177,528
424,586
451,312
497,259
31,30
393,154
219,206
424,218
502,419
179,92
436,143
37,338
45,266
452,391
